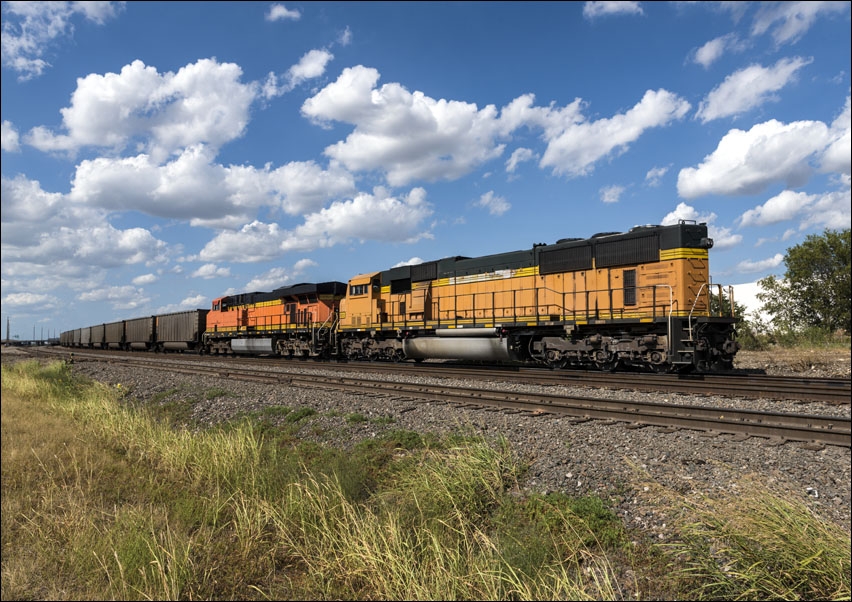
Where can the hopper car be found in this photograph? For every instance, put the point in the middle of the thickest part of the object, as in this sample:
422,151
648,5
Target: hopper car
177,331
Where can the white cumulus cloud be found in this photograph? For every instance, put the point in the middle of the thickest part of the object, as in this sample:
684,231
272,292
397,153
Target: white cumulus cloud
749,88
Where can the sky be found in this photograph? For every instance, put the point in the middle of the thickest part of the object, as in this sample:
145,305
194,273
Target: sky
158,155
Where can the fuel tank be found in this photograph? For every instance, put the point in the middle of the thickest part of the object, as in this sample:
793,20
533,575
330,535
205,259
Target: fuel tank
263,345
486,349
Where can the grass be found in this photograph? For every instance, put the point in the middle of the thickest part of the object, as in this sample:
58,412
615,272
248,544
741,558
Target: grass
754,543
103,500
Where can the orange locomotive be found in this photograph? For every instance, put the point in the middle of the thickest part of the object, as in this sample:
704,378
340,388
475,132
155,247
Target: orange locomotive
640,299
292,321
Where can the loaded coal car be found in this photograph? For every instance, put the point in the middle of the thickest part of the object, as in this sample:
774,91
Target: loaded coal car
140,334
291,321
86,337
114,335
98,334
639,299
74,338
180,331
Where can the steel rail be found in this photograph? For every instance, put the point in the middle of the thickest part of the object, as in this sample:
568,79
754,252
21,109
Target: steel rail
825,430
756,386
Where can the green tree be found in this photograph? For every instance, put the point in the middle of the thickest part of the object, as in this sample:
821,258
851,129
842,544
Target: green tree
816,291
721,305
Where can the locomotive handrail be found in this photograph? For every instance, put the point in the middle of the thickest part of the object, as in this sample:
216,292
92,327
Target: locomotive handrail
670,341
694,304
710,303
329,323
484,305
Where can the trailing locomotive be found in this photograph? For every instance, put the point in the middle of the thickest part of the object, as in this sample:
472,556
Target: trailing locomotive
640,299
292,321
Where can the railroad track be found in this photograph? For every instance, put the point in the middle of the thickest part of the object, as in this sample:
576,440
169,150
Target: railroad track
828,390
755,386
777,426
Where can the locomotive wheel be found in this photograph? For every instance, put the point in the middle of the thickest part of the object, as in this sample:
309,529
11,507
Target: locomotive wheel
606,361
554,360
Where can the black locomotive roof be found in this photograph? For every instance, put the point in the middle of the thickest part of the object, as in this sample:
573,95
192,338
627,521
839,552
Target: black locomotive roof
309,288
304,289
608,249
512,260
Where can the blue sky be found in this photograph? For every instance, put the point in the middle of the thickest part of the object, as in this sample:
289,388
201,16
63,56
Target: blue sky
157,155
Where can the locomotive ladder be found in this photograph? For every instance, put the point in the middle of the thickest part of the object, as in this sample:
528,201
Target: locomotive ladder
690,329
328,326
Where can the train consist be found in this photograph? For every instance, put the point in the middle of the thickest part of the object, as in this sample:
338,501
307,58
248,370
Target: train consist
639,299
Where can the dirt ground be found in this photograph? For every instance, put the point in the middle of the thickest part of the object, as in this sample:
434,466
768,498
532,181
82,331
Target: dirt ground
832,363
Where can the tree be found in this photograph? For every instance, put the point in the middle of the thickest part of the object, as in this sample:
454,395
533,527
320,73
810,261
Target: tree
816,290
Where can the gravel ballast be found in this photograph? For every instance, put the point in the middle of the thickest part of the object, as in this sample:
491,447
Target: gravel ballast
565,455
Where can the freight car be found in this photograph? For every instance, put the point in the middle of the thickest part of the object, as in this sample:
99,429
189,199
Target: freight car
139,334
97,337
177,331
181,331
114,335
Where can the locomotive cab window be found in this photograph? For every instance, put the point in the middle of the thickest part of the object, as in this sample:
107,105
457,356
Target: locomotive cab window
359,289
